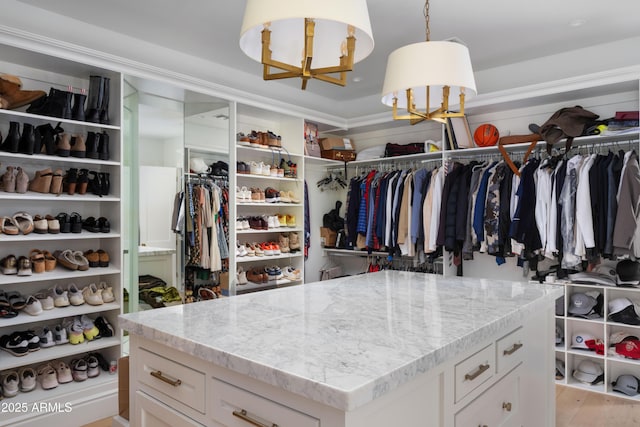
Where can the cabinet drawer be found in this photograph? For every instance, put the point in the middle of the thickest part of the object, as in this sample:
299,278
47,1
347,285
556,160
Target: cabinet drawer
473,371
231,403
510,351
179,382
498,406
152,413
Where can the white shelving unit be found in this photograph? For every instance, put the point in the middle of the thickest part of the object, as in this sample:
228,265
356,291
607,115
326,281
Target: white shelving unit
38,71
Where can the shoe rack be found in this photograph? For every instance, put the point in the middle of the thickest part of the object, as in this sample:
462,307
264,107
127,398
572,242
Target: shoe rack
291,133
42,72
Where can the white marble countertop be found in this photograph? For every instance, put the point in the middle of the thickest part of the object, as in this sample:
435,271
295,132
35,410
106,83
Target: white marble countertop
346,341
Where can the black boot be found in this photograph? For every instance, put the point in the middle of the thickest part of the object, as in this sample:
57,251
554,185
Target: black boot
94,101
92,145
12,141
95,186
77,112
48,139
103,146
104,106
83,181
105,185
70,181
28,139
57,104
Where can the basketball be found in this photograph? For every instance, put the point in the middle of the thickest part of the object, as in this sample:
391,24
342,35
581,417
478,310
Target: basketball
486,135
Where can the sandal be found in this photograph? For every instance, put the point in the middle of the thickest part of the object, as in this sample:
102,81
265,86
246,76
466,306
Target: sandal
76,222
103,225
90,224
37,261
64,223
49,261
9,226
9,265
16,300
24,221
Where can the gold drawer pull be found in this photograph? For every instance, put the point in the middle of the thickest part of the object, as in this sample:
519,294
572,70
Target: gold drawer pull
479,372
506,406
516,347
158,375
242,414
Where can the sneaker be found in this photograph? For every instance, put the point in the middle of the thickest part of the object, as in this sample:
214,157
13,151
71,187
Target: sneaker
284,197
32,339
273,273
10,384
292,273
241,250
294,242
74,330
291,220
75,295
46,300
242,276
255,168
33,307
266,170
89,328
28,379
271,195
282,220
272,222
15,344
92,295
79,370
60,335
46,337
266,248
276,248
47,377
251,250
283,242
93,366
63,373
107,292
258,249
102,362
293,197
60,298
105,328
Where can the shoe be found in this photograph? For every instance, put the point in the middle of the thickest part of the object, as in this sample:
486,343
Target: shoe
28,138
284,197
75,295
258,249
46,337
292,273
33,307
271,195
24,266
104,107
242,139
104,258
102,362
77,111
10,384
53,224
28,379
41,183
93,366
267,249
274,273
15,344
241,276
63,372
90,224
48,137
95,99
11,143
11,90
56,104
92,257
60,297
24,222
294,242
251,250
242,168
293,197
255,168
33,341
37,260
70,181
63,145
282,220
47,377
40,225
253,276
60,335
50,261
206,294
46,301
66,259
92,295
75,331
291,220
276,248
103,146
22,181
106,292
9,180
64,222
9,226
283,242
9,265
83,181
272,222
105,328
266,169
241,250
91,145
89,328
56,182
240,193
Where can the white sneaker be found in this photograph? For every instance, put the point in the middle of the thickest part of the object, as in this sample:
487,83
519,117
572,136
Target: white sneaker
241,250
271,223
60,298
63,372
60,335
292,273
75,295
93,366
33,307
46,337
47,377
46,301
242,276
92,295
255,168
107,292
79,370
28,379
10,384
266,169
245,224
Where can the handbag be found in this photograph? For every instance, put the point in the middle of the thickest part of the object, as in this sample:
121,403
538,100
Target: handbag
567,123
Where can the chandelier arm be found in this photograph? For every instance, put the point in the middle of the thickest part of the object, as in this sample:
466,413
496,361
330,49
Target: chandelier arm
342,81
307,54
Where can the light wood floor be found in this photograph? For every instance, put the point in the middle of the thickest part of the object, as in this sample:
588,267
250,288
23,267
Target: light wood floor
574,408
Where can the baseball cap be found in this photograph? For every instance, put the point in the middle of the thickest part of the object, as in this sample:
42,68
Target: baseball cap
580,303
621,310
602,276
618,337
627,384
589,372
579,340
629,349
628,272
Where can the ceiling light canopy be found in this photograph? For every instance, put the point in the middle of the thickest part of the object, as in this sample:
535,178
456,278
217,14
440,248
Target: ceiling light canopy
281,35
428,74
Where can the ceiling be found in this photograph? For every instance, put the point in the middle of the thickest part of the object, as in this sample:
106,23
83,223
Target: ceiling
497,32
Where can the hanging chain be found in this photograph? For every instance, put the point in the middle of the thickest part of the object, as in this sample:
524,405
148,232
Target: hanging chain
426,20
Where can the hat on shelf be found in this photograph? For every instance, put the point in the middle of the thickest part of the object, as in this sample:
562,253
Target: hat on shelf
602,275
629,349
589,372
627,384
582,305
620,336
628,273
580,340
621,310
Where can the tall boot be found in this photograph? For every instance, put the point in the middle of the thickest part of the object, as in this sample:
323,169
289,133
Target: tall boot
94,101
103,146
77,112
28,139
12,141
104,106
63,104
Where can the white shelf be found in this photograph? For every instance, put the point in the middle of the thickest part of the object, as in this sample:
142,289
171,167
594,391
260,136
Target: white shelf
268,258
8,361
39,158
268,204
24,115
60,273
42,197
271,230
58,313
268,150
271,178
320,161
353,252
35,237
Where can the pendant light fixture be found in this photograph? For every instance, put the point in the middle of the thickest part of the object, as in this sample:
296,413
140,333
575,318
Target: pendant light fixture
307,39
425,75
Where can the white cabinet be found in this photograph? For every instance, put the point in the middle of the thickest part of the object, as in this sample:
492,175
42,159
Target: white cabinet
41,72
155,414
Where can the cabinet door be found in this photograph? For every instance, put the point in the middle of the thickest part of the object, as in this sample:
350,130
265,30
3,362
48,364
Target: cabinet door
152,413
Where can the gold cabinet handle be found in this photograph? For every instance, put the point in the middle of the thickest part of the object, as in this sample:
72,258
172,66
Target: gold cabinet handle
477,373
242,414
506,406
158,375
516,347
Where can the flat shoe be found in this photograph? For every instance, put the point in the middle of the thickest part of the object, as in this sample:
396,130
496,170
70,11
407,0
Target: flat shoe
9,226
24,221
65,258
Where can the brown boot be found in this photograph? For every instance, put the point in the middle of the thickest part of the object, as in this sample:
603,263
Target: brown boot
294,242
42,181
4,103
22,181
9,180
283,242
11,91
63,145
78,147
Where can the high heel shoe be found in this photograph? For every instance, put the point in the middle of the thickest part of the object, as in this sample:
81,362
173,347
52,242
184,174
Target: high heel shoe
70,181
12,141
56,182
83,181
42,181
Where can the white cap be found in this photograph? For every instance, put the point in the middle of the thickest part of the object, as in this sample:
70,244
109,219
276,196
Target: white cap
580,338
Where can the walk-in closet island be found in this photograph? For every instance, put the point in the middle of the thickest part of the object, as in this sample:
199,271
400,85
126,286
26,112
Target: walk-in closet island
388,348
